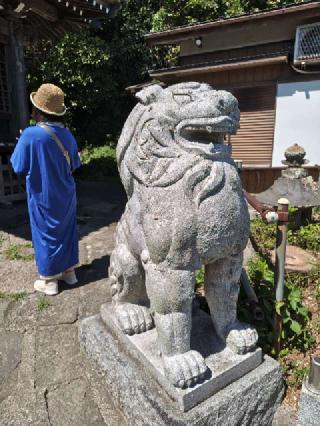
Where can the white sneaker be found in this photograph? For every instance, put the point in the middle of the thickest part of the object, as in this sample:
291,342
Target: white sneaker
69,277
49,287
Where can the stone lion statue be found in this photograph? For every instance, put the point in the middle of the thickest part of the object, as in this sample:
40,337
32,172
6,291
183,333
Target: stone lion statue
185,208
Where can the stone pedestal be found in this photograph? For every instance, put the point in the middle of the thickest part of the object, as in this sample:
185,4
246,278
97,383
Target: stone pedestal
309,409
241,389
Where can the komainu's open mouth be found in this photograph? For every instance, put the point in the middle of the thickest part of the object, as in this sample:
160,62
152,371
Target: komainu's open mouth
201,134
205,132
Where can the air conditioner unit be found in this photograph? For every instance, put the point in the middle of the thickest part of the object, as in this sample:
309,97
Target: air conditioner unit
307,44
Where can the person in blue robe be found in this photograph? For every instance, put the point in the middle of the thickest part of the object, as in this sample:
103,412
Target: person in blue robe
48,164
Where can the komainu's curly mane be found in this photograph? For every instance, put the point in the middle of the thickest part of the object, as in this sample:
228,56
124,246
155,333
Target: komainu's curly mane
157,145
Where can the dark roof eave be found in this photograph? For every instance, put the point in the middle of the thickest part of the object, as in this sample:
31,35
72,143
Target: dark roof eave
210,68
182,33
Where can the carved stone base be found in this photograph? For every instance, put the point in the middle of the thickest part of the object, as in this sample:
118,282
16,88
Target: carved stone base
225,366
140,391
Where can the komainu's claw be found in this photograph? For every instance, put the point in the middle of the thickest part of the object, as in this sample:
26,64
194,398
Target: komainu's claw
133,319
241,338
185,370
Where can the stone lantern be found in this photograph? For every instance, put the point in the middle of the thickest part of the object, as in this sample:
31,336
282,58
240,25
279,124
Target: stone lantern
294,184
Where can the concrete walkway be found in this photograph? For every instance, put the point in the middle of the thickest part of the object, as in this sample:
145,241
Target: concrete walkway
43,375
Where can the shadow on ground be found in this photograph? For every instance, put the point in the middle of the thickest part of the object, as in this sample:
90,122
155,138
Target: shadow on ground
97,270
99,204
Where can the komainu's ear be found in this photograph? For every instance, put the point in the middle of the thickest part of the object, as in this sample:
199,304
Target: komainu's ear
149,94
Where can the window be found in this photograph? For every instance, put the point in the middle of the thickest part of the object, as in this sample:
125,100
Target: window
254,140
298,120
307,44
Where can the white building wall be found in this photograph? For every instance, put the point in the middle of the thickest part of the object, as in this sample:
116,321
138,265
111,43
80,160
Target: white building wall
297,120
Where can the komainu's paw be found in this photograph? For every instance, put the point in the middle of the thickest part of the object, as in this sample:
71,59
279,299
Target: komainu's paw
133,319
241,337
185,370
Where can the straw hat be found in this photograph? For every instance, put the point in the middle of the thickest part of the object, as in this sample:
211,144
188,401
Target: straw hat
49,99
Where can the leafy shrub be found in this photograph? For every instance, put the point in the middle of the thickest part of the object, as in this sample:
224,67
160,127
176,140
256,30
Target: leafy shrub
295,316
296,373
264,235
80,64
97,163
306,237
200,277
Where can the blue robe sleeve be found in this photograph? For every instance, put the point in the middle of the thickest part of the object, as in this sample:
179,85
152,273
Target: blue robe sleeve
20,159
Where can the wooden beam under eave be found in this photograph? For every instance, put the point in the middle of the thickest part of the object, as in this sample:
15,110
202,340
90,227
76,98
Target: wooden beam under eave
217,68
108,3
42,8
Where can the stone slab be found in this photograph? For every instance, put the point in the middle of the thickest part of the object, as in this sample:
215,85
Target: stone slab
309,408
250,400
224,366
58,355
71,404
10,357
26,404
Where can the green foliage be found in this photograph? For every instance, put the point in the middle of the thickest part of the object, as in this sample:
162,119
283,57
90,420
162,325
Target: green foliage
295,316
173,13
316,214
306,237
94,68
43,303
79,64
298,374
181,12
262,280
19,252
97,163
200,277
264,235
12,296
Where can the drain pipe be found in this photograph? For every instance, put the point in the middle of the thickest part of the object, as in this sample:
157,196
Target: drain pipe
279,267
313,382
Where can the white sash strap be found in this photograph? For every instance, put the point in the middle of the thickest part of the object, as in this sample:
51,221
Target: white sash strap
57,140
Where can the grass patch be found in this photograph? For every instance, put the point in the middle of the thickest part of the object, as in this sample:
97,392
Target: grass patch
13,296
19,252
43,303
98,163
